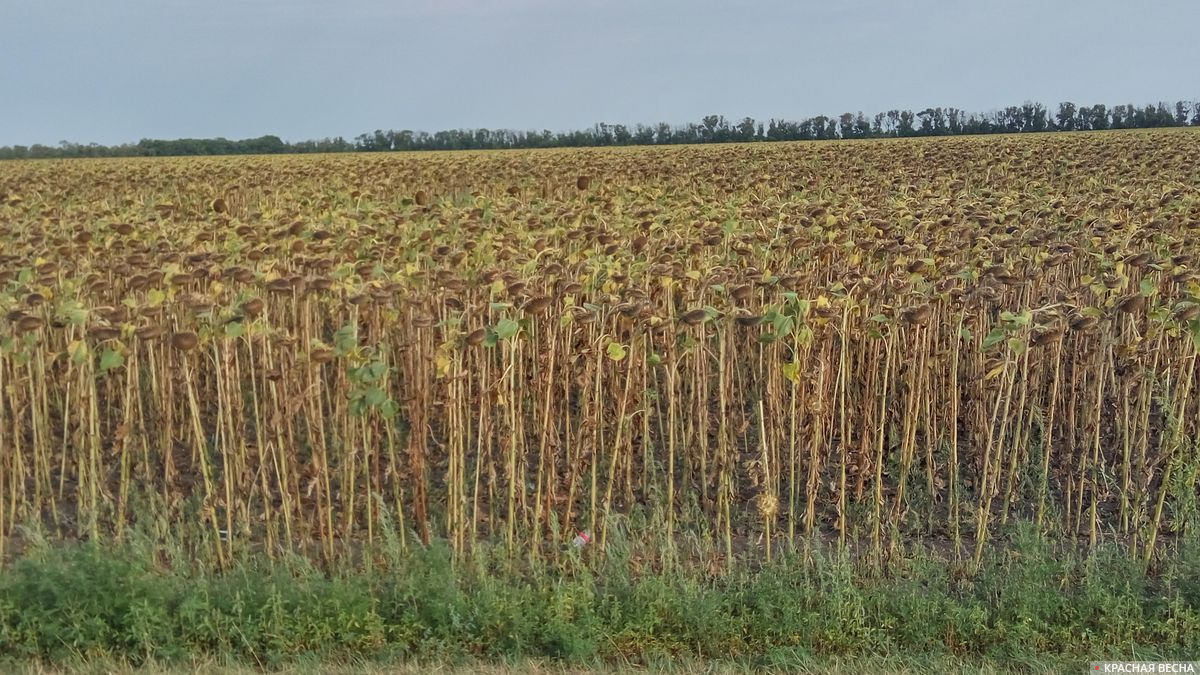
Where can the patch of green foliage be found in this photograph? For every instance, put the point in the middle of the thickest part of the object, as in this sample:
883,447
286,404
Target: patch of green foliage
1029,601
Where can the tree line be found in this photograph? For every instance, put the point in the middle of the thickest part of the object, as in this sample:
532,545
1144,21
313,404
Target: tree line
1026,118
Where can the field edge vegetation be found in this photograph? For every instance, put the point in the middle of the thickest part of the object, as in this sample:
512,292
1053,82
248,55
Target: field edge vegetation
1032,603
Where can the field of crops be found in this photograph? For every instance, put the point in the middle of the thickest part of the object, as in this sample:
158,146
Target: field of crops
862,343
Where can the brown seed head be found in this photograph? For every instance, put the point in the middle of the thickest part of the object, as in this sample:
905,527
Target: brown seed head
150,332
917,316
748,319
1081,323
1131,304
184,341
538,305
252,307
103,333
1187,311
1138,260
29,323
1045,335
628,309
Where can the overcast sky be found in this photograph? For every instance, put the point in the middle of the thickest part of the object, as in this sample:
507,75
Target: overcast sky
112,71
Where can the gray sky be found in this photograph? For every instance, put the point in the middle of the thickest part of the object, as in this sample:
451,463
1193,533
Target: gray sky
111,71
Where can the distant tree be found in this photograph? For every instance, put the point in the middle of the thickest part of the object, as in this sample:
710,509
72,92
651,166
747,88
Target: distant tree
893,122
846,125
977,125
1032,117
954,121
824,128
724,133
1119,114
862,126
1151,116
926,118
711,123
1065,119
1159,115
933,122
1181,112
745,129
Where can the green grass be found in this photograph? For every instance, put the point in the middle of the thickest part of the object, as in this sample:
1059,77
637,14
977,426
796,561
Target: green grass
834,666
1032,607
